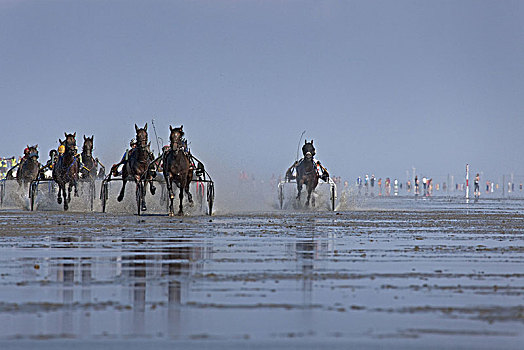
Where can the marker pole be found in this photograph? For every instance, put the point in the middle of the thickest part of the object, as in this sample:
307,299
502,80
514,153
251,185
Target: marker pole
467,181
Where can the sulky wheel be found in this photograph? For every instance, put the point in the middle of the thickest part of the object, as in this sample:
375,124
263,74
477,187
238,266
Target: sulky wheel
2,191
333,198
103,195
281,195
32,194
91,193
210,197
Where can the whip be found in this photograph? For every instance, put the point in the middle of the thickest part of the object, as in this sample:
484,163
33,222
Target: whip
299,142
156,136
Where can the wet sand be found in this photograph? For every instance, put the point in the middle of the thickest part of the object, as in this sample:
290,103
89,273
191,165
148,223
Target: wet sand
391,273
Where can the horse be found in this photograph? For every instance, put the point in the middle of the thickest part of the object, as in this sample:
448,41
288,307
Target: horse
28,169
65,171
178,168
89,164
307,172
137,167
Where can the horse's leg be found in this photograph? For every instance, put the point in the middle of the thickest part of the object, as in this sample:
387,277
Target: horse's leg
69,189
299,188
152,187
309,192
181,198
75,184
144,190
122,190
189,196
66,204
169,185
308,189
59,198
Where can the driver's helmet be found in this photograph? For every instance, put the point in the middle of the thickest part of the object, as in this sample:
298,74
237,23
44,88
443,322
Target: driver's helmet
26,150
61,149
132,142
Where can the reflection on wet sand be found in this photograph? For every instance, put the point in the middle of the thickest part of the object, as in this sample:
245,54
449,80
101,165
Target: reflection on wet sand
310,252
445,274
155,275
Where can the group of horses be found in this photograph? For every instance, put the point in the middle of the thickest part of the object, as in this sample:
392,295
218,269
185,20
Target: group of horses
67,168
140,166
176,164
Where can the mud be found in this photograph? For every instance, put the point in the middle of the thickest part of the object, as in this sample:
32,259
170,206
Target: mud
390,273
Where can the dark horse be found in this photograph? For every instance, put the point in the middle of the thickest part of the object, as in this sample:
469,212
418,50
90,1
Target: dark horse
29,168
65,170
307,172
178,168
89,164
137,167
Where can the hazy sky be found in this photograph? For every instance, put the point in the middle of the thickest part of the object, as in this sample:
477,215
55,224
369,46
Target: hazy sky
381,86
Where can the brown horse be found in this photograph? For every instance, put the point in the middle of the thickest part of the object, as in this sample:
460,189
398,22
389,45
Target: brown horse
89,164
178,168
65,170
29,168
307,172
137,168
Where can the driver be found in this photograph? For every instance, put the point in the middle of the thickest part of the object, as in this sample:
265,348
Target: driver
61,150
53,155
321,171
24,158
125,157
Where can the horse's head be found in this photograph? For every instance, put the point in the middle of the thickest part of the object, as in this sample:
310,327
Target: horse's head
87,148
69,143
141,137
176,136
33,152
308,150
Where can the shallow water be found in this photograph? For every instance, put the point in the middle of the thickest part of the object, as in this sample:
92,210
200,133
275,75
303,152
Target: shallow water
391,273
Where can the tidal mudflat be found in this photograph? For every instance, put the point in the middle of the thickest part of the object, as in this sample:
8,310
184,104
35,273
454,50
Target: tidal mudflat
396,273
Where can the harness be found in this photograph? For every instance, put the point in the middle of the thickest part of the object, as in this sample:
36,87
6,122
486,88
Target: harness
184,150
61,159
317,168
71,165
313,170
82,164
